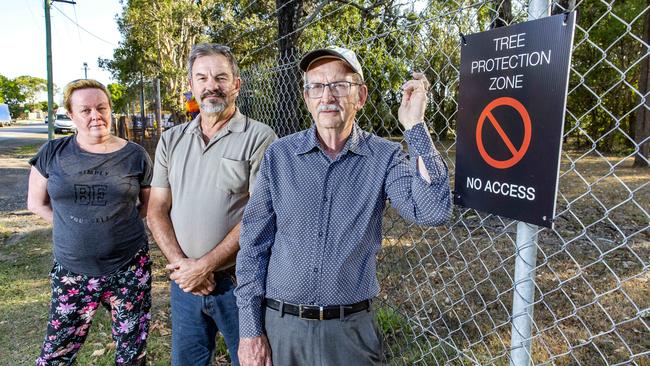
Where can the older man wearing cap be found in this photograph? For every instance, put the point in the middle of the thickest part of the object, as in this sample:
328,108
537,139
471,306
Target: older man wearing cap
306,269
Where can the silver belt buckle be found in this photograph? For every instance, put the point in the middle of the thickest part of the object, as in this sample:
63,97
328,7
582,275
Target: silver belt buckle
320,312
300,310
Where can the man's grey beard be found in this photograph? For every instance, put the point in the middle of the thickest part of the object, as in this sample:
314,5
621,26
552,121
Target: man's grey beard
208,107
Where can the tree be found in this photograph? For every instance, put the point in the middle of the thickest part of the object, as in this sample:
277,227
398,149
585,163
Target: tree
502,13
642,122
247,27
287,83
12,95
606,79
31,86
157,36
119,97
39,106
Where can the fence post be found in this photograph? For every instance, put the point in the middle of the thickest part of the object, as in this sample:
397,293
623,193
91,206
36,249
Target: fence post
523,295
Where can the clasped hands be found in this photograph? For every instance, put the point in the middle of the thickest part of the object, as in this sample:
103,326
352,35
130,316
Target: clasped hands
192,276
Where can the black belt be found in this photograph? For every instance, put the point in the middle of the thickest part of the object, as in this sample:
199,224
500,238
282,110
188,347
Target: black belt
317,312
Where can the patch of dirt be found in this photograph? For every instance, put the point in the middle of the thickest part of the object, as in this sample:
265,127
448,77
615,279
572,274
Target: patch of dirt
14,176
13,239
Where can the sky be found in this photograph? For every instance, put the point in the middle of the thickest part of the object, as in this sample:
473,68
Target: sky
95,34
22,38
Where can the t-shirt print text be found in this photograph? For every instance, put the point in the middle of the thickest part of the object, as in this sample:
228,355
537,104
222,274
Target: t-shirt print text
90,195
93,172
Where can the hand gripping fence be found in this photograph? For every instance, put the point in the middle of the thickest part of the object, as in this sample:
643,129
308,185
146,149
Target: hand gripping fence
486,290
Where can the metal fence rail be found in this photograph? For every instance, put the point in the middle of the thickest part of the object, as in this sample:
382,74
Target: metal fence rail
447,292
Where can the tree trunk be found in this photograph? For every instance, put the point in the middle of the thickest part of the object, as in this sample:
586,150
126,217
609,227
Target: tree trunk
563,6
287,87
158,111
642,125
502,14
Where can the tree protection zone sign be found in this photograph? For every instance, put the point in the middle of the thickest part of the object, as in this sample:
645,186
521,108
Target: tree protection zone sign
513,88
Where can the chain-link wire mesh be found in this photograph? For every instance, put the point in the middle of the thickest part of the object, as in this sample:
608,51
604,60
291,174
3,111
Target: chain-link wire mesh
447,291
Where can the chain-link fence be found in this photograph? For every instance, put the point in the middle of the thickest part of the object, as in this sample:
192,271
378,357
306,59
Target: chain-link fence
447,292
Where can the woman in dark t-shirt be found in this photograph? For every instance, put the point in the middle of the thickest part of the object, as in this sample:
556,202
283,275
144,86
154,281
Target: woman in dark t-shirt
94,187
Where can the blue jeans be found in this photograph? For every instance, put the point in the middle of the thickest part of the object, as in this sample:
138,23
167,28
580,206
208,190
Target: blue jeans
196,320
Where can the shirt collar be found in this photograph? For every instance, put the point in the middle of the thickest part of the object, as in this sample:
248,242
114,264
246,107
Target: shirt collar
355,142
238,123
309,141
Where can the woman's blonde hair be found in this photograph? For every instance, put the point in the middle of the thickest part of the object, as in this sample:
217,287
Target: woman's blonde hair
83,84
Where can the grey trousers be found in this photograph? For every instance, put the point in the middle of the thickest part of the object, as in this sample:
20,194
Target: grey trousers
355,340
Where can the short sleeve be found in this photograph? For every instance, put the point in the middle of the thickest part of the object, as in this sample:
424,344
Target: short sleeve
41,161
147,170
160,170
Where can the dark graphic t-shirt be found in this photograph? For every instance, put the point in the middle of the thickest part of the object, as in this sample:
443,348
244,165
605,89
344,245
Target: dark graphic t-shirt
94,198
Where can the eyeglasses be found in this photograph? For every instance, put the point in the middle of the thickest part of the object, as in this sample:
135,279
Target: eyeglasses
337,88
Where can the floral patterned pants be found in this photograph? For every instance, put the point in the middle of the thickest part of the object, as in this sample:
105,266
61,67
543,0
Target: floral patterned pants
75,299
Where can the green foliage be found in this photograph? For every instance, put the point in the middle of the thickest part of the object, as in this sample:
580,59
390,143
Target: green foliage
391,40
245,26
11,95
390,321
31,86
20,93
157,37
602,90
39,106
118,94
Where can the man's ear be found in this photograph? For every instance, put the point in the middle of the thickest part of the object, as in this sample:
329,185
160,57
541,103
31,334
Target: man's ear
363,96
237,83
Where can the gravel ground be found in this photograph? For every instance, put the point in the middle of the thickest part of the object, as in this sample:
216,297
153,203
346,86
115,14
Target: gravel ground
14,174
14,169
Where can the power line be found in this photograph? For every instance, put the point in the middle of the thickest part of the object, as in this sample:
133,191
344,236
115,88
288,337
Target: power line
241,14
34,19
83,29
74,8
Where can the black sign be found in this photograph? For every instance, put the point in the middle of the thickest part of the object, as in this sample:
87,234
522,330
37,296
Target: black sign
513,87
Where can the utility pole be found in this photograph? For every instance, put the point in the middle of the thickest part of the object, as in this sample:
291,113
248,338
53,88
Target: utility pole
48,53
50,83
85,70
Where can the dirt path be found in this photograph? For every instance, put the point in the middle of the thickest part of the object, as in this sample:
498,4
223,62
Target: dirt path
14,169
14,174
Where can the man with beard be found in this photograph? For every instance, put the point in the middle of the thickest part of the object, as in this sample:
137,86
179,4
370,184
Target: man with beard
203,173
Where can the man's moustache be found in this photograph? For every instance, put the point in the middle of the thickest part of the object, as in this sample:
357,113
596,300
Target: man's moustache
328,107
214,94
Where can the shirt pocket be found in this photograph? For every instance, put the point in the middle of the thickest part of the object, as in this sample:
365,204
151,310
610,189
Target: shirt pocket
233,175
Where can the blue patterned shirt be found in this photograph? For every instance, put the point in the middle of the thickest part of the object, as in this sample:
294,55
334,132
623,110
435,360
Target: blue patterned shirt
312,227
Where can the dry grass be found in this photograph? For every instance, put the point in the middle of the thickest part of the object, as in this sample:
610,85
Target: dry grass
25,260
453,285
446,292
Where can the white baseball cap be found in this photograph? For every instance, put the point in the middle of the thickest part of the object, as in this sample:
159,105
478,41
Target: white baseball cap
343,54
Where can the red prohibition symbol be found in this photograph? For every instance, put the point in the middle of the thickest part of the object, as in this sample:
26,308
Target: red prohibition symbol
517,153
